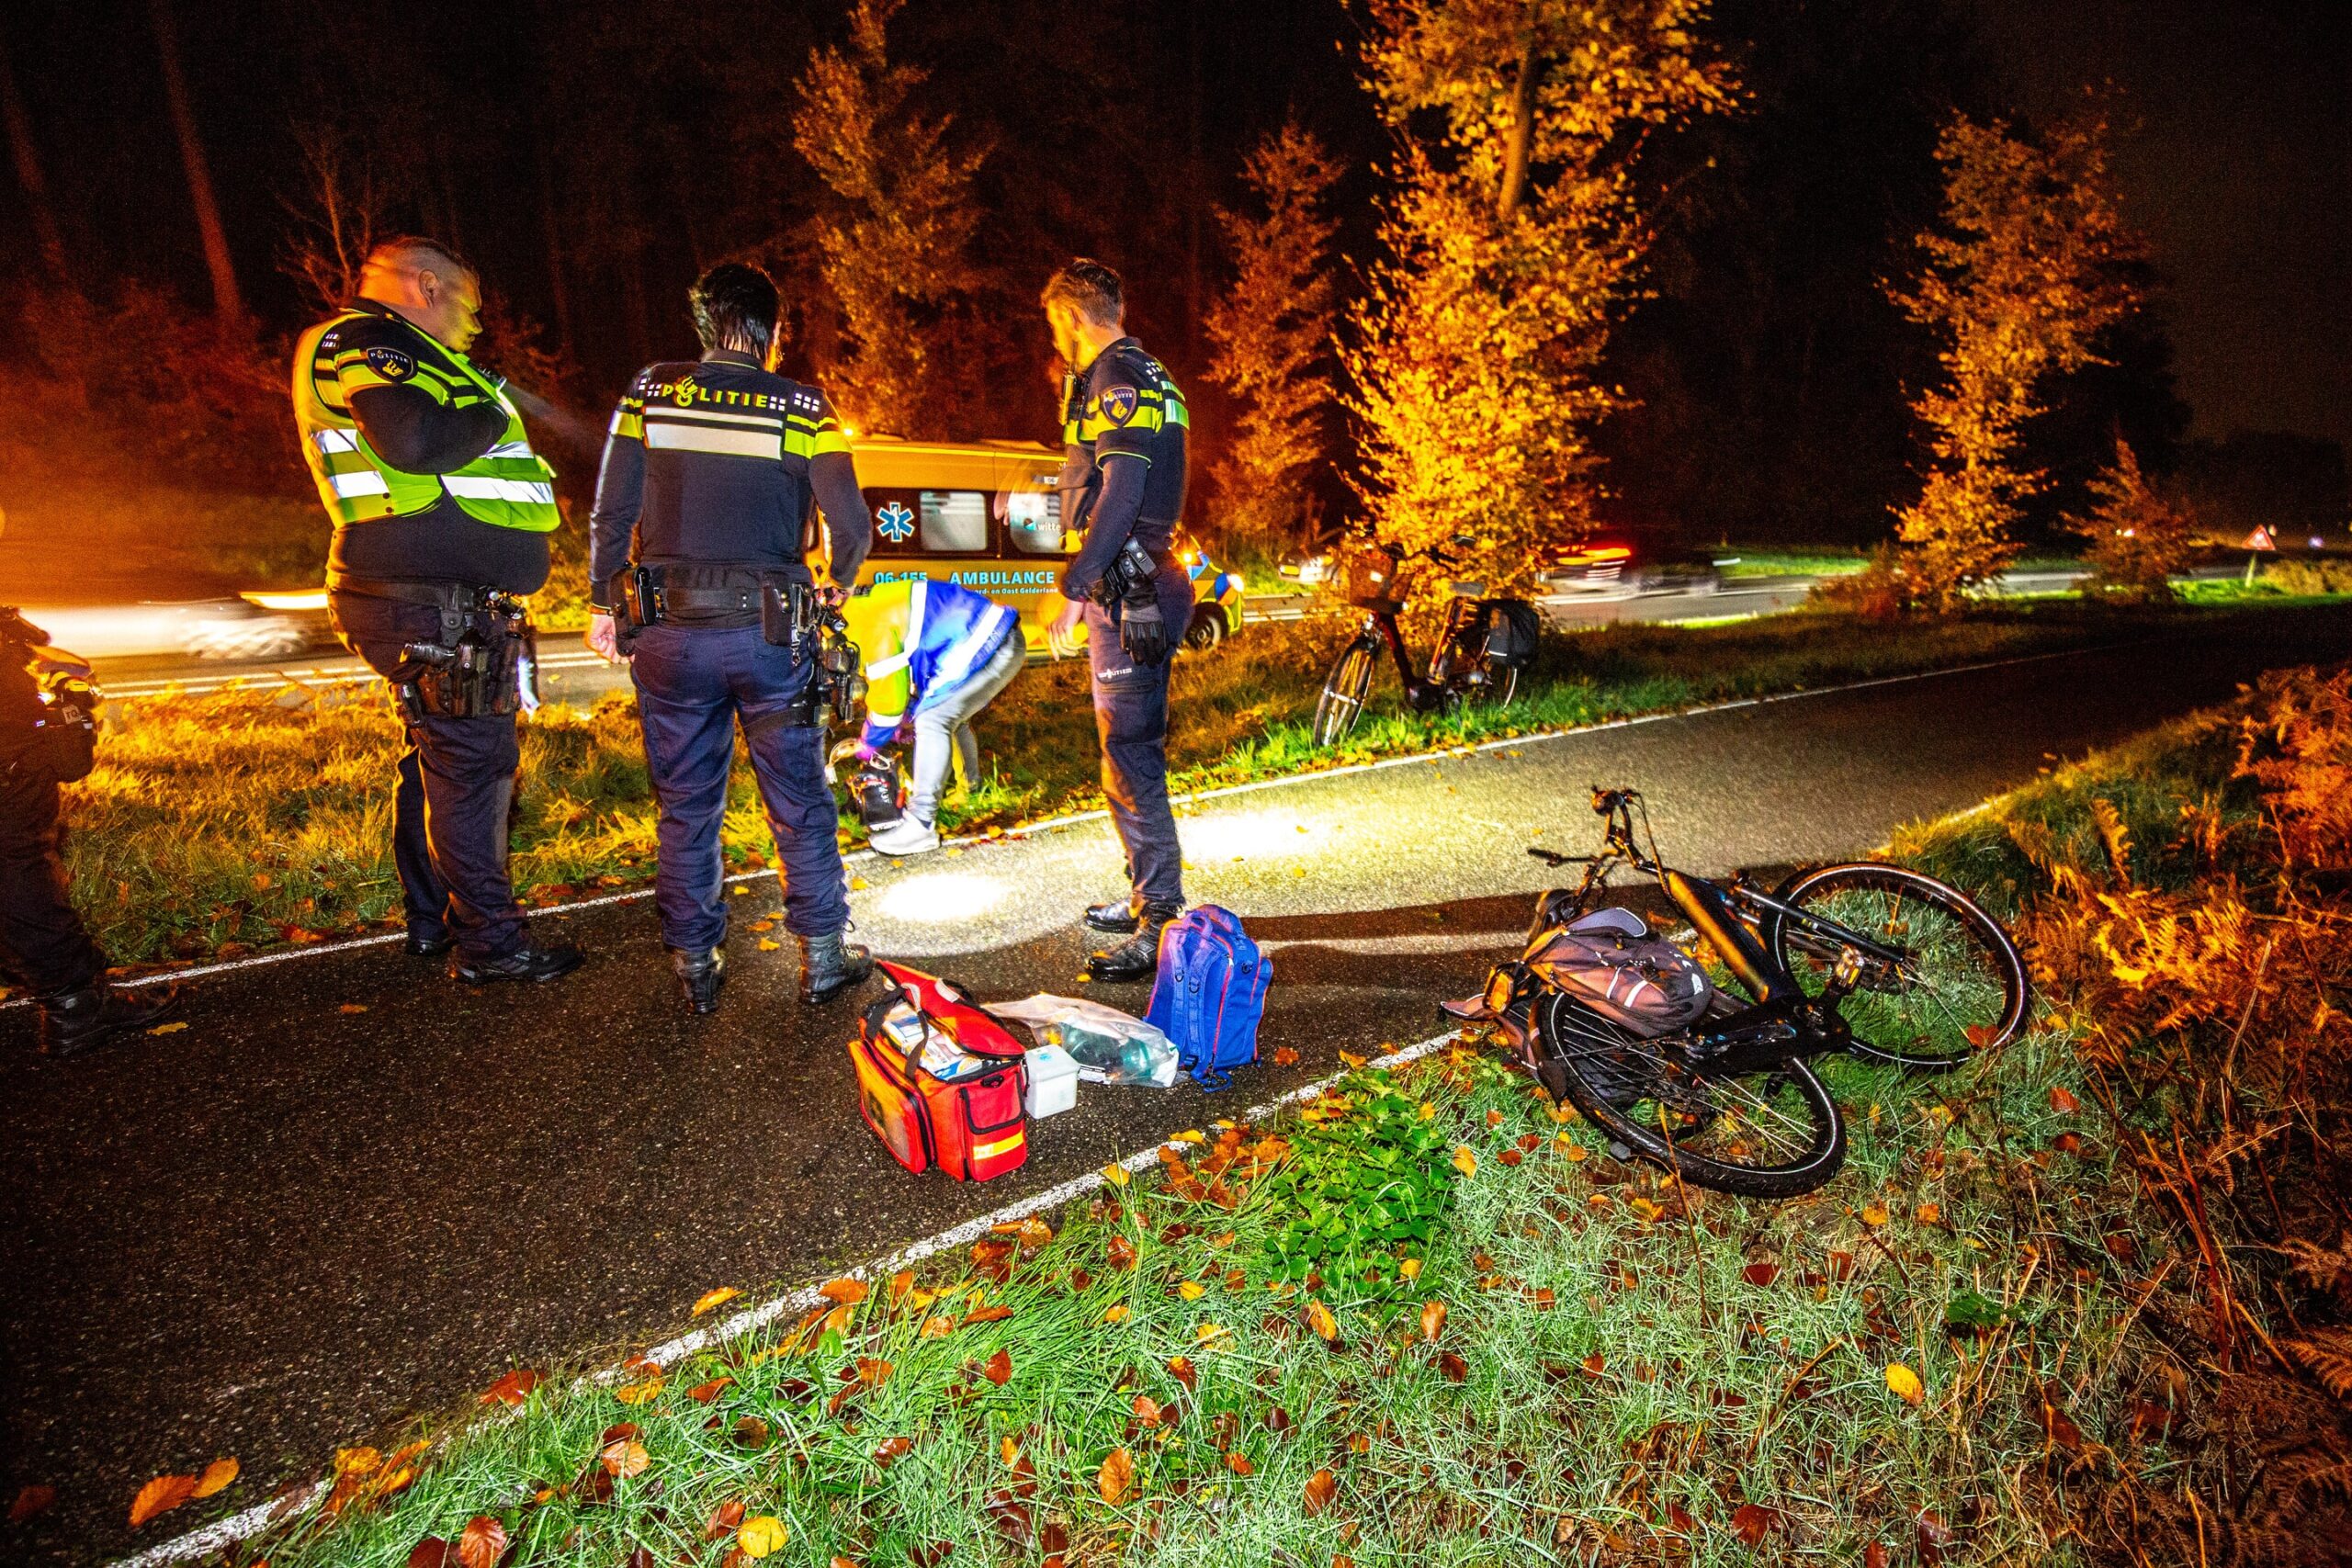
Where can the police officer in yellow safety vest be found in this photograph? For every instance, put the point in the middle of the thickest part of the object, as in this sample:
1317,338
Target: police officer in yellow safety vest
936,653
441,513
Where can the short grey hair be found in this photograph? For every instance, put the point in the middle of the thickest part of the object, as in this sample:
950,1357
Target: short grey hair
407,255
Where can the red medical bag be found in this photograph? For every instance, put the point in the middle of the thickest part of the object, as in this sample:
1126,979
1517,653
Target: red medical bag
940,1080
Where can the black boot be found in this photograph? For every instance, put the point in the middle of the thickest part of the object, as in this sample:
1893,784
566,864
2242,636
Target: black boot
1137,957
700,971
73,1022
428,946
533,966
829,965
1118,918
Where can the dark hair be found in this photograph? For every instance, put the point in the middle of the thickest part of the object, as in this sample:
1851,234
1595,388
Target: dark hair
1090,288
735,300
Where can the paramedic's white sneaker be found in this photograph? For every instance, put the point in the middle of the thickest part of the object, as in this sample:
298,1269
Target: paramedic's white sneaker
906,837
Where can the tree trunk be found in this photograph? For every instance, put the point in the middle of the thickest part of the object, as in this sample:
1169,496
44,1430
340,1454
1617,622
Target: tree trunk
551,226
28,174
228,304
1522,135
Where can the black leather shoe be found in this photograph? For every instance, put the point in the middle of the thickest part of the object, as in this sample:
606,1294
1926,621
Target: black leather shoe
1118,917
535,965
831,965
429,946
74,1021
700,971
1137,958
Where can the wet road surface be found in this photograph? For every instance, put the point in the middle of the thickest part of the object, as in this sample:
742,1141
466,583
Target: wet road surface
352,1191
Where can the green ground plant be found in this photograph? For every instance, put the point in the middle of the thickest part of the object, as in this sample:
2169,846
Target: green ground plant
215,824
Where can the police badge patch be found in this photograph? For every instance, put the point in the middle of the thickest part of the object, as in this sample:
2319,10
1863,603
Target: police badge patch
391,364
1118,404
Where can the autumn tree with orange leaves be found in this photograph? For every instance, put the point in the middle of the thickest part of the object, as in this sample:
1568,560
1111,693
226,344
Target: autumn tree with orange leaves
2138,539
1515,240
1272,339
2027,270
894,249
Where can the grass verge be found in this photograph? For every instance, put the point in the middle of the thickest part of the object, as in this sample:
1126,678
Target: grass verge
2187,897
1426,1321
218,824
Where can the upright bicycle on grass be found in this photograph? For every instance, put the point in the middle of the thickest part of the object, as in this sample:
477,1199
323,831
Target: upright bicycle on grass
1481,647
1630,1028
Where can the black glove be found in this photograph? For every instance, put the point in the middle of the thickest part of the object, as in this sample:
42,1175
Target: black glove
1143,630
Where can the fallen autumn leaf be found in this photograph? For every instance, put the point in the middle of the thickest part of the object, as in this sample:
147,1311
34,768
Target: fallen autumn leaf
483,1543
161,1495
1117,1478
217,1475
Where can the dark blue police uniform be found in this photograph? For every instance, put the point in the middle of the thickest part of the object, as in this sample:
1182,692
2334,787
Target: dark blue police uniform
1124,412
710,473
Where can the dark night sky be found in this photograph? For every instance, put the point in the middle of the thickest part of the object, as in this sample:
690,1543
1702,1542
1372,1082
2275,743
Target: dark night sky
2234,148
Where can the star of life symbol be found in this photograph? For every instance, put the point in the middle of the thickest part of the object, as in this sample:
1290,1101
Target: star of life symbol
895,522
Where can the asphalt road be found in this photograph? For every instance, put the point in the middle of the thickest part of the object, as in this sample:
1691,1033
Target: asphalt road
569,673
294,1223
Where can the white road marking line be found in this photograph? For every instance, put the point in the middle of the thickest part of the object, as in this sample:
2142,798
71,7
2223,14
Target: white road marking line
240,1527
1287,781
1409,942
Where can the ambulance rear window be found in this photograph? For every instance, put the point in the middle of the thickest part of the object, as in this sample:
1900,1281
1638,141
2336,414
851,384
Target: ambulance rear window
954,521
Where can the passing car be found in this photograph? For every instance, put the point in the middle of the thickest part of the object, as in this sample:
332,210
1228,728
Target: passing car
985,513
1309,570
1623,569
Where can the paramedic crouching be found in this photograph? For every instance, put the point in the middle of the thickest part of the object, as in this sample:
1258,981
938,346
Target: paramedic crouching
938,652
701,533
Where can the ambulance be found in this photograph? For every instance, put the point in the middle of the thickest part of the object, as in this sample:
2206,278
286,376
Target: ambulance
985,515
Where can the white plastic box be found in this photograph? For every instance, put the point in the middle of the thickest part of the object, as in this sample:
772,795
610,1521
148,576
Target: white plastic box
1053,1082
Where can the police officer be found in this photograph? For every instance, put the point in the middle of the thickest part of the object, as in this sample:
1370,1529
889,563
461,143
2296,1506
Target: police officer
700,537
46,730
441,513
1123,485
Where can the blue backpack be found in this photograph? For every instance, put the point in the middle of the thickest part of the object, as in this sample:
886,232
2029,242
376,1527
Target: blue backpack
1210,993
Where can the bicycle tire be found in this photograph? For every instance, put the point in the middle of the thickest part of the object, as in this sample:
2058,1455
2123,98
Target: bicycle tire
1344,690
1610,1085
1893,1031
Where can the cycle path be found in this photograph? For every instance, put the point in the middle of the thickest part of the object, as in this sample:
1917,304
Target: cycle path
349,1192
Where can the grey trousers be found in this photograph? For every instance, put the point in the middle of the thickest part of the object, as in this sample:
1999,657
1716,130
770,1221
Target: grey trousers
944,729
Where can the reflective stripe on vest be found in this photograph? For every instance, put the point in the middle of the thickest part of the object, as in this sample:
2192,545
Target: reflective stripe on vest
507,487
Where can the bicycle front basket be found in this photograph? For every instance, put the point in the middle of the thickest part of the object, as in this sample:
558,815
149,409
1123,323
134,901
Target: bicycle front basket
1368,577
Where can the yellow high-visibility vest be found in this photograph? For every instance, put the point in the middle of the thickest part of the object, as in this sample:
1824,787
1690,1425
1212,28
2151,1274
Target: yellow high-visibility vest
510,486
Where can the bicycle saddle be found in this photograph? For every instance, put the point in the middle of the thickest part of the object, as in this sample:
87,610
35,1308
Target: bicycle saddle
1469,590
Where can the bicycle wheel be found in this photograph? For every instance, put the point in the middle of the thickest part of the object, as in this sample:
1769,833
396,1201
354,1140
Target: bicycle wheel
1344,690
1764,1136
1959,989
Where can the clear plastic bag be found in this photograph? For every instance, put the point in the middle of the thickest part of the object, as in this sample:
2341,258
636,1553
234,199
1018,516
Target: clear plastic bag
1108,1045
